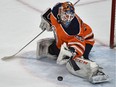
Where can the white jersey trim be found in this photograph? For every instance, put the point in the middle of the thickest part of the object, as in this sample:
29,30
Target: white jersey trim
77,44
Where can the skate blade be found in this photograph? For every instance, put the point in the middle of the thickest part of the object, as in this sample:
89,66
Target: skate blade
103,81
95,81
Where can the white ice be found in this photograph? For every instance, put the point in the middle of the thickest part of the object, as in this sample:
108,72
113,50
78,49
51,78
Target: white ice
19,23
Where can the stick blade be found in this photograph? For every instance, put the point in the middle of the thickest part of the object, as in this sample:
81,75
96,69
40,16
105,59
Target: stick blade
7,58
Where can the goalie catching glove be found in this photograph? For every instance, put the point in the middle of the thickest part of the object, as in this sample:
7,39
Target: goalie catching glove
45,21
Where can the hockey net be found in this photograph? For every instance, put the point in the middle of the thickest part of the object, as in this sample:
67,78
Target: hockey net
113,25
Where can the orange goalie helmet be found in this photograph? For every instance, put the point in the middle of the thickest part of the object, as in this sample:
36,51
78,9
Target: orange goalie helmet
68,6
66,13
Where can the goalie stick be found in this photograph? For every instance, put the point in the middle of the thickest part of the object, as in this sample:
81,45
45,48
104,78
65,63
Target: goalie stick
12,56
76,2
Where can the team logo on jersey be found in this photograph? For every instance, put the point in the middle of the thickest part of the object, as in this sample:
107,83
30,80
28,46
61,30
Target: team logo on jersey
79,38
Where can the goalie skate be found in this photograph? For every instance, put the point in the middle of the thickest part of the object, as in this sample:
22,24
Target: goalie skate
99,77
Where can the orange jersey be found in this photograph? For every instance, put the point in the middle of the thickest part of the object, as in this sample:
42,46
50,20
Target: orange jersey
88,34
73,35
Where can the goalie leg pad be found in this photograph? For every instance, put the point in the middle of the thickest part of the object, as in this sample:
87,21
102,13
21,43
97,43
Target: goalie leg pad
42,48
86,67
88,70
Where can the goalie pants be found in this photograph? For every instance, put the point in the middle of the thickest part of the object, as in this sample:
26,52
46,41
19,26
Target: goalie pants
53,49
88,48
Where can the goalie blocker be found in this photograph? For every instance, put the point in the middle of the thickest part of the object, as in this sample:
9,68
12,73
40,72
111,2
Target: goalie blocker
79,67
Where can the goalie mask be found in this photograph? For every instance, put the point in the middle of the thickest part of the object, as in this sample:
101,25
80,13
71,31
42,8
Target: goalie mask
66,13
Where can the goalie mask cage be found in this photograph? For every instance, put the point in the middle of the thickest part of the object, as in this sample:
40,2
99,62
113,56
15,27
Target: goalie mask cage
113,25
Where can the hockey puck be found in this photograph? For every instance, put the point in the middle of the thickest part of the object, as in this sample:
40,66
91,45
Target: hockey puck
59,78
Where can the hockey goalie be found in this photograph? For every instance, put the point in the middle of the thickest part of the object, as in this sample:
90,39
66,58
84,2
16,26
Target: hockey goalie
72,42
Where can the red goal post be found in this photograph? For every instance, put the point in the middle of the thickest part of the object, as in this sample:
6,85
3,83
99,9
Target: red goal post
113,25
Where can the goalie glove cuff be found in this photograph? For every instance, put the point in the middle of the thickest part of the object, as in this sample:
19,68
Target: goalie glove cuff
71,49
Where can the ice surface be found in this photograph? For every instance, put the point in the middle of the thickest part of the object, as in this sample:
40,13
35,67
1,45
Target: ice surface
19,23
